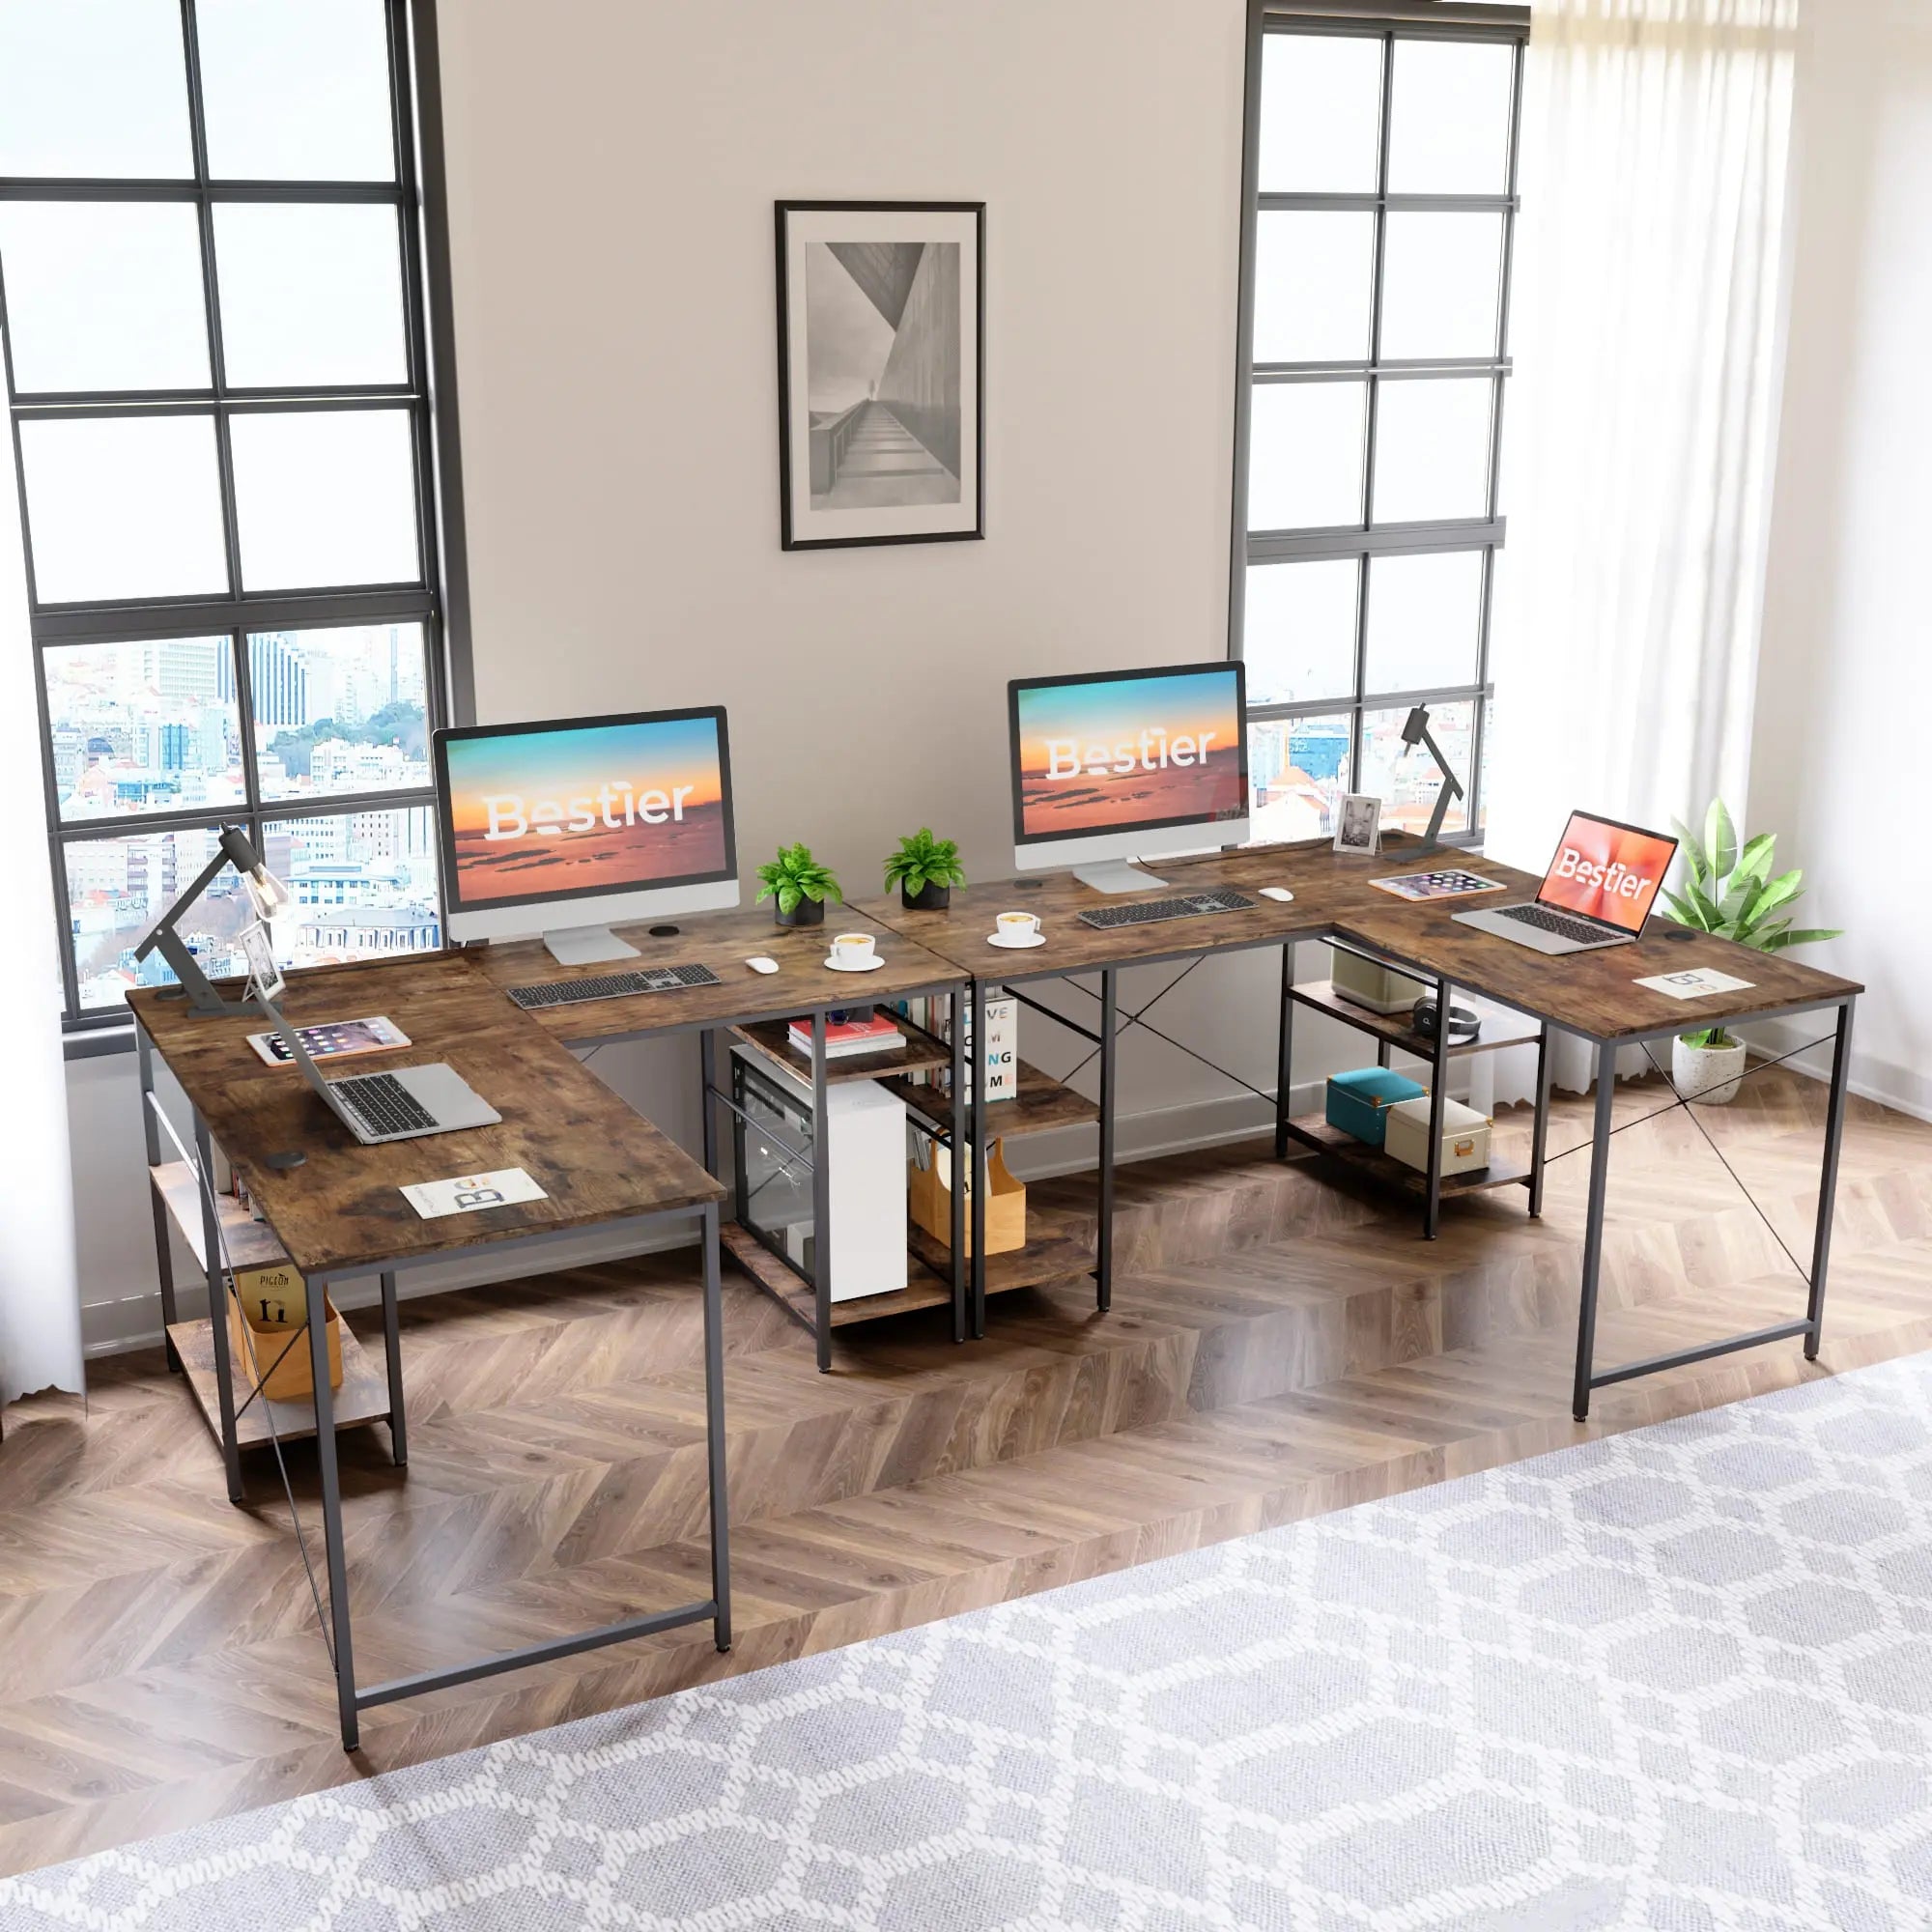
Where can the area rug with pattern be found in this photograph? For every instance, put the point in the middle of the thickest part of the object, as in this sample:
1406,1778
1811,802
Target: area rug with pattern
1676,1678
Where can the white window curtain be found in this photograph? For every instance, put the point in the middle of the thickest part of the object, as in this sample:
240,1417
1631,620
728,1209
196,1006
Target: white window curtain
1641,425
40,1297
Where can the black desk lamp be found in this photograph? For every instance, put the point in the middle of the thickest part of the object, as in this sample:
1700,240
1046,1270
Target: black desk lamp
267,894
1415,732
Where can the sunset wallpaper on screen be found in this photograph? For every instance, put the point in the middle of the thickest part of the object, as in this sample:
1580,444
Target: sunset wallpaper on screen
1119,753
585,808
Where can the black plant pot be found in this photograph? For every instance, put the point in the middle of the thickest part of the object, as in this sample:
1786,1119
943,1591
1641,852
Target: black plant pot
808,912
929,898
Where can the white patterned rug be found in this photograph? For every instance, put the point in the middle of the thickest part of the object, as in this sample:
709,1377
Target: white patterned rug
1679,1679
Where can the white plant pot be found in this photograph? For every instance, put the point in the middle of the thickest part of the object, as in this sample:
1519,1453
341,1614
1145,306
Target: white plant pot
1709,1074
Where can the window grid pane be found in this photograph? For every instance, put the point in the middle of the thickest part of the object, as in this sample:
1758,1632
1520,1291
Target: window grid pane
1445,123
164,741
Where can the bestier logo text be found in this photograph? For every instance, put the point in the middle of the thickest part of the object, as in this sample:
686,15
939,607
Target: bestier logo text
617,803
1615,881
1153,751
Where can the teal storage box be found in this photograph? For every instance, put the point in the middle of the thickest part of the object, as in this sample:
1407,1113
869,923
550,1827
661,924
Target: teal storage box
1358,1101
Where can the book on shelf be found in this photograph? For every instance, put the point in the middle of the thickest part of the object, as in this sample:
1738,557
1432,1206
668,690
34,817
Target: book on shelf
871,1033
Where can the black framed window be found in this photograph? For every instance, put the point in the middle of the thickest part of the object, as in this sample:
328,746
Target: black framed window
1379,190
211,294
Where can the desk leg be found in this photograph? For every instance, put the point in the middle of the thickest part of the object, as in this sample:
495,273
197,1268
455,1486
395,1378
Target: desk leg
392,1348
331,1515
1593,1231
1439,1099
1828,1181
1103,1268
957,1201
1283,1053
976,1188
151,1139
1538,1133
714,1435
707,1081
821,1196
217,1309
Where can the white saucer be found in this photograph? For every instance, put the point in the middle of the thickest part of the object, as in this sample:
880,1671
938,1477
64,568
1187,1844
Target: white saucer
870,965
1015,945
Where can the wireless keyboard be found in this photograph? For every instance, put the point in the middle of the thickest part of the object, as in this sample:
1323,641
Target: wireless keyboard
1151,912
611,987
1545,921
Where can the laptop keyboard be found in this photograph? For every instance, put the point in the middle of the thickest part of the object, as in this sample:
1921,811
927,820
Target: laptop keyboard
383,1105
611,987
1545,921
1151,912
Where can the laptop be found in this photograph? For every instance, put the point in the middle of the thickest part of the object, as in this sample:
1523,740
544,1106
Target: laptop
403,1105
1598,891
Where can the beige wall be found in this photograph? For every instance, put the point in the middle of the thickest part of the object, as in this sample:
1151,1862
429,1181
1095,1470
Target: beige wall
1840,746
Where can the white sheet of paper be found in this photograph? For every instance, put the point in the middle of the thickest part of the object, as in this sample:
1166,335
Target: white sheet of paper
466,1193
1698,984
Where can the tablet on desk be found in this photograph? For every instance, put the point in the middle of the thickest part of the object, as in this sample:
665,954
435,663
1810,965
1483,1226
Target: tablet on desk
339,1039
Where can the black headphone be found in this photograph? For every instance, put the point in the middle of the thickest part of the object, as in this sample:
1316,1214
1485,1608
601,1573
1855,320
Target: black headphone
1464,1024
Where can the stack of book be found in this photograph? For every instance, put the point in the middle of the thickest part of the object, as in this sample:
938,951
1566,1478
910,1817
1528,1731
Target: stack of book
857,1033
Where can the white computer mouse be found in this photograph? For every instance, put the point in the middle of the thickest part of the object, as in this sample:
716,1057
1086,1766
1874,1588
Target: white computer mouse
1280,892
758,963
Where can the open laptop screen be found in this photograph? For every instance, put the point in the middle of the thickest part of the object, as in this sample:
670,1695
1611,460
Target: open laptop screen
1607,872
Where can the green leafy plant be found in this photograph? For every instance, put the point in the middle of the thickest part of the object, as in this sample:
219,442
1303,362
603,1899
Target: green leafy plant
1729,889
793,877
922,861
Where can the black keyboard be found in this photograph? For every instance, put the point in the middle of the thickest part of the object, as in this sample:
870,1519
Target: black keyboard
611,987
383,1105
1151,912
1545,921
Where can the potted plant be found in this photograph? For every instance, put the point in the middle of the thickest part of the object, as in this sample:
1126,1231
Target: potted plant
1728,889
800,885
924,869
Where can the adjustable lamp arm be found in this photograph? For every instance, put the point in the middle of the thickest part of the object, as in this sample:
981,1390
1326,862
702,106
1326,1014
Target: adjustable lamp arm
164,938
1415,732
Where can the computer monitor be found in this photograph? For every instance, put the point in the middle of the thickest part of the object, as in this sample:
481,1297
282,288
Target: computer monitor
564,825
1128,764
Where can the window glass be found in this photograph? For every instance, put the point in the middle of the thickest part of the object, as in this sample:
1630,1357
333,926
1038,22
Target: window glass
324,498
123,507
1298,772
296,92
1449,116
340,710
1423,616
104,294
93,87
1322,111
1298,634
118,887
1441,285
141,727
1315,282
311,293
1305,444
364,884
1432,450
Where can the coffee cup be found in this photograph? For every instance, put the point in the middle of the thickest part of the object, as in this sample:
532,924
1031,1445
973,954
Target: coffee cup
1016,929
853,949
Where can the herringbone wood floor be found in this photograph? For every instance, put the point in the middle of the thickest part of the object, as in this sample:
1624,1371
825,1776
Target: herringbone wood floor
1279,1346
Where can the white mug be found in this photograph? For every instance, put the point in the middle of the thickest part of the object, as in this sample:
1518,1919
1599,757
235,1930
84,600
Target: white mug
853,949
1016,927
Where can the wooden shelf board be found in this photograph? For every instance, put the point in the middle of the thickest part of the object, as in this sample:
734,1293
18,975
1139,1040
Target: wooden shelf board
363,1397
1501,1028
921,1052
1042,1102
1050,1254
1313,1131
248,1242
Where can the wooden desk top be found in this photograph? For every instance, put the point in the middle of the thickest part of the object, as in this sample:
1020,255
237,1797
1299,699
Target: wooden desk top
1587,993
596,1158
724,941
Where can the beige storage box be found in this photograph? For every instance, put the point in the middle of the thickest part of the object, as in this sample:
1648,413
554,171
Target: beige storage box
1369,984
930,1198
1466,1136
267,1334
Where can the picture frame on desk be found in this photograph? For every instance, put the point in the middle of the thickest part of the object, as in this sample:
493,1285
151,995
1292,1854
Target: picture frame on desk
881,340
1358,820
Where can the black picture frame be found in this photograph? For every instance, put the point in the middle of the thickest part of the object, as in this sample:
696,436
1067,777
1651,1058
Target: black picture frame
812,524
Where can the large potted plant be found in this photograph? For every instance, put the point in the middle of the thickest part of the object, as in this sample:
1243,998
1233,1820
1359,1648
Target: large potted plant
1729,889
800,885
924,869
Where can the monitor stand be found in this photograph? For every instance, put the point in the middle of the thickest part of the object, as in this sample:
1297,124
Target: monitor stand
587,944
1115,875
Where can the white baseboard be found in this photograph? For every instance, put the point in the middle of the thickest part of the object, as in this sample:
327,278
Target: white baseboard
1900,1088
